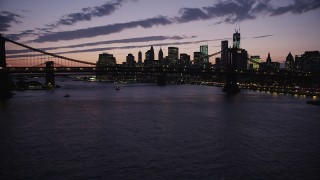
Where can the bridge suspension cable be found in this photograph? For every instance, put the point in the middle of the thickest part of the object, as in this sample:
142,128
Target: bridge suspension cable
214,54
49,54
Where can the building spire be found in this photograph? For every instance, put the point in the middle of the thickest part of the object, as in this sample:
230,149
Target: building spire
269,58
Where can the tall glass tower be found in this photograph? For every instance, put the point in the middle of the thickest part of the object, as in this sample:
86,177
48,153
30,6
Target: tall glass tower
204,51
236,39
173,54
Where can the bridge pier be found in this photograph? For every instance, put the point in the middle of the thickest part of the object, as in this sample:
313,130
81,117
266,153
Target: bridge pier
162,79
231,86
50,79
5,91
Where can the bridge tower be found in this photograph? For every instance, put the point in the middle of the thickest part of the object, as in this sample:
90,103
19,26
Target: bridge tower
50,79
3,62
231,86
5,92
162,79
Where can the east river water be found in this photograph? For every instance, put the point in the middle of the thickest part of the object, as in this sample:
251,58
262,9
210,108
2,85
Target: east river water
146,131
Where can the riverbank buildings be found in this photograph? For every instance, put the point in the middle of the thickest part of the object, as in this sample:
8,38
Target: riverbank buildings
160,55
224,54
173,54
106,59
254,62
184,60
139,58
289,64
269,65
197,58
149,57
130,61
308,62
204,52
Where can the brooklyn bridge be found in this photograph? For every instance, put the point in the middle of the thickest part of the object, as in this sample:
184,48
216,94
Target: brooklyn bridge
28,61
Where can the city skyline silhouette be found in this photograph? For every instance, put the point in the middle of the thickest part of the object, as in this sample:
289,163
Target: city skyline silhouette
160,89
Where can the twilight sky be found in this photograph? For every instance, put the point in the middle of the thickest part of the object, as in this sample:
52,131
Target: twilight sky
82,29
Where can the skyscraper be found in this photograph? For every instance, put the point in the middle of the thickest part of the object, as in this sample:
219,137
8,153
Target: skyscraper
173,54
289,62
224,53
236,39
197,58
254,62
298,64
184,59
269,65
310,61
130,60
204,51
106,59
237,59
269,58
140,58
160,56
149,56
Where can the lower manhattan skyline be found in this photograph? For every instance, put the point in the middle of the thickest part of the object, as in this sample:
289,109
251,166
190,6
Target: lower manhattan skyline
86,29
160,89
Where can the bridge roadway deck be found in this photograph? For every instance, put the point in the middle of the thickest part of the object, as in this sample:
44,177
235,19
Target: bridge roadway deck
118,70
156,71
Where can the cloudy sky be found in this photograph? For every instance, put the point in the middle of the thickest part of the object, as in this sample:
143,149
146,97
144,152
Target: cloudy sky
82,29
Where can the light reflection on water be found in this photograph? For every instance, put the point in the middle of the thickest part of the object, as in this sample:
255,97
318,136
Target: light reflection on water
148,132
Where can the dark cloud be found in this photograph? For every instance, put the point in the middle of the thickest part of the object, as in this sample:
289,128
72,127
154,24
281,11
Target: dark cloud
119,47
140,46
297,7
224,11
86,14
191,14
17,55
7,18
26,33
129,40
230,11
263,36
233,11
102,30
